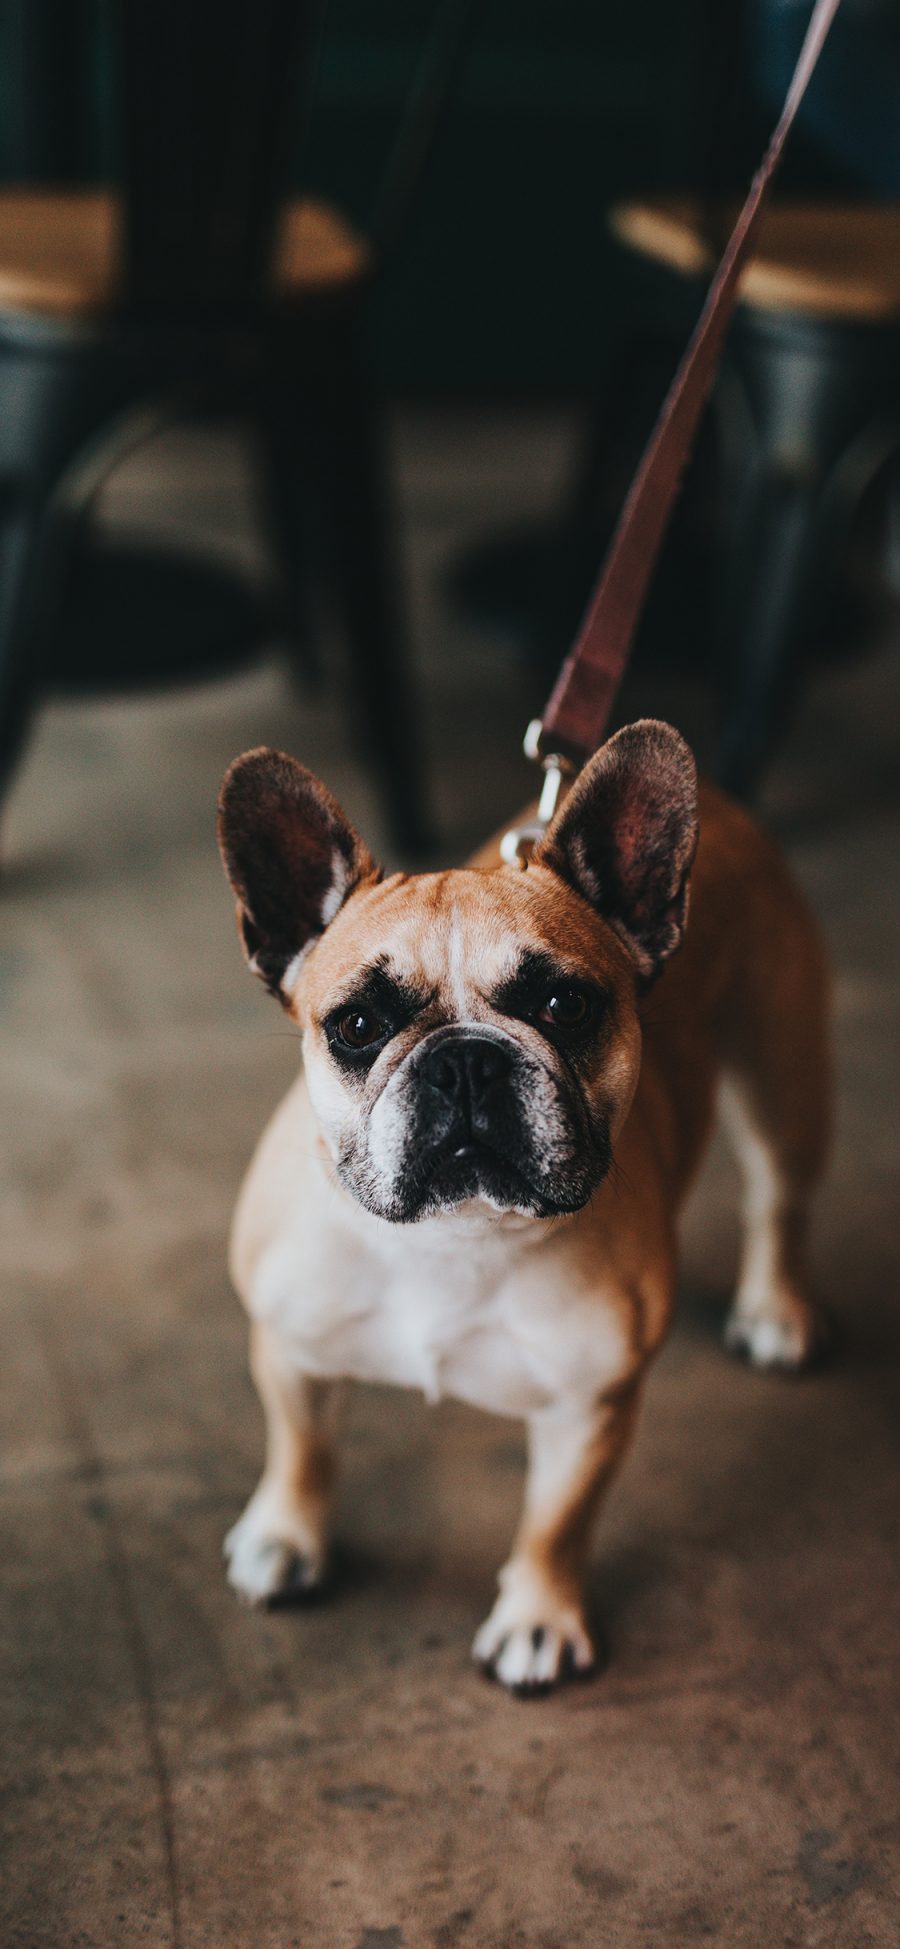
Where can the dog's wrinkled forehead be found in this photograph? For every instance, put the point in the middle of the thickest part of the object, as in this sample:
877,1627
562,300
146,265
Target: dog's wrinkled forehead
456,952
455,937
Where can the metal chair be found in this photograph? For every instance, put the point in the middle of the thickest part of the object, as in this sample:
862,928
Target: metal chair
809,410
196,282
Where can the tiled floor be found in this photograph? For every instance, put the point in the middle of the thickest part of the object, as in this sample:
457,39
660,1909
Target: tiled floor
182,1772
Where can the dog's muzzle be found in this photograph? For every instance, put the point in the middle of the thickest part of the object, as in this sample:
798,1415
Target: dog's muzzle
473,1122
471,1115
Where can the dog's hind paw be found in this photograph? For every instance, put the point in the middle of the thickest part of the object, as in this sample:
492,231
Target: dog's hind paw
268,1569
789,1337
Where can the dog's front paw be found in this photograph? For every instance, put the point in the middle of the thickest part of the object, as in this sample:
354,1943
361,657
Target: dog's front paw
270,1561
789,1334
532,1639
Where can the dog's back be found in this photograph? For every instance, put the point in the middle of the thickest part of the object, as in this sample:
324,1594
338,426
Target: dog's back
746,1000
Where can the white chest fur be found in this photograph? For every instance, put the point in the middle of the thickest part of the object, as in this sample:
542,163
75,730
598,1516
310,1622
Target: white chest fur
469,1305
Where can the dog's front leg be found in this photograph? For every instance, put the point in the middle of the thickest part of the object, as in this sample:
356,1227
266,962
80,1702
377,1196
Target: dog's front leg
537,1632
277,1550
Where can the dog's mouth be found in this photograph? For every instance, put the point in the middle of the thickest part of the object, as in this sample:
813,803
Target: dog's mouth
467,1167
528,1162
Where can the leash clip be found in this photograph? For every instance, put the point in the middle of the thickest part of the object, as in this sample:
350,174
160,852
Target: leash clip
519,843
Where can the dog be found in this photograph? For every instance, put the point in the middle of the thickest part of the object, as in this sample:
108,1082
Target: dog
508,1082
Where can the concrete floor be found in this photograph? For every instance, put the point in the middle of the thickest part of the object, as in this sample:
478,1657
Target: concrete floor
180,1772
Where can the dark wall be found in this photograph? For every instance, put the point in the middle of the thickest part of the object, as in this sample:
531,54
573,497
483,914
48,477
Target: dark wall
561,104
503,280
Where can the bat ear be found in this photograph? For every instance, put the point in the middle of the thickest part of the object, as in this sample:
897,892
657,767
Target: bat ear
625,839
292,858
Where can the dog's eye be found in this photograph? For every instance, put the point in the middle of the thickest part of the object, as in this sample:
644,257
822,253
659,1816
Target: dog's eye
358,1030
566,1008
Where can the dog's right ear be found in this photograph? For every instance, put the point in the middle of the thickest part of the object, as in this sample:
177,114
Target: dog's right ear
291,856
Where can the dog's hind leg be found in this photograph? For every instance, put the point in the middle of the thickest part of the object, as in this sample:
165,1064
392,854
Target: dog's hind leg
277,1549
777,1110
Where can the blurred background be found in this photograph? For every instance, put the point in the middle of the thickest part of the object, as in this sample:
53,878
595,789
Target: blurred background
330,336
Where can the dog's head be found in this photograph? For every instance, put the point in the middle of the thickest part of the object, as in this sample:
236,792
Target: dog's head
468,1035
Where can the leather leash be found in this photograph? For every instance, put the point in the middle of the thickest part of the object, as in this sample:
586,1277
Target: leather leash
580,704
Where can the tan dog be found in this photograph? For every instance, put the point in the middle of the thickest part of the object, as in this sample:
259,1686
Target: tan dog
473,1187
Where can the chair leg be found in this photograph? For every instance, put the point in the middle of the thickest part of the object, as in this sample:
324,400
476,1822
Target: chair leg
284,499
773,577
369,593
338,444
51,406
822,400
20,671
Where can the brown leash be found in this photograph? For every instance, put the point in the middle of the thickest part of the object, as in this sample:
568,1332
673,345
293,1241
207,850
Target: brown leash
579,709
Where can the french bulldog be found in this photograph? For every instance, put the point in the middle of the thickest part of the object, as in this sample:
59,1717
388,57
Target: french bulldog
508,1081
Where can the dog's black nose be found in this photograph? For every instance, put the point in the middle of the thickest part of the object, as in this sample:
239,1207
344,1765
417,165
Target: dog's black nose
463,1069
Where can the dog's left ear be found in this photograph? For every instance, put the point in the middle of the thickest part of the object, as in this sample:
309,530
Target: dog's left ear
292,858
625,839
